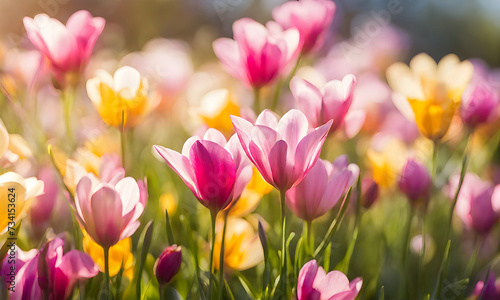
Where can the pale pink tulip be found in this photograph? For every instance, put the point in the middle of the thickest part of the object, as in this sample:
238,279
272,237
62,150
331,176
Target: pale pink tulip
215,170
332,103
283,151
415,181
315,284
109,211
69,47
476,202
312,18
321,188
257,55
58,272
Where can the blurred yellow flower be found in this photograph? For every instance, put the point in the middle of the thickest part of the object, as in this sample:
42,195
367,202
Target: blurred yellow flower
387,162
215,109
432,91
124,93
108,142
251,195
168,202
119,254
16,194
243,249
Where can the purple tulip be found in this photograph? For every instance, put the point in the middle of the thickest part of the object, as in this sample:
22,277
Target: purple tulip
415,182
168,264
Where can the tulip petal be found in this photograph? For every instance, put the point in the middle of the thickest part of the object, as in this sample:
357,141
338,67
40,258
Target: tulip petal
305,282
308,98
267,118
293,127
107,212
309,148
278,165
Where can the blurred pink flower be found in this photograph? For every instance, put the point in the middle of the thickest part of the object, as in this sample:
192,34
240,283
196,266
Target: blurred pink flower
369,192
476,202
415,182
283,151
321,188
488,291
315,284
312,18
332,103
109,211
68,47
479,104
58,272
215,170
257,55
42,206
24,273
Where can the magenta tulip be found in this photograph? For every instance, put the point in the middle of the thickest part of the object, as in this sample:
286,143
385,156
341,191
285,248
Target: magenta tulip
488,291
415,182
315,284
215,170
476,202
283,151
479,105
168,264
58,272
312,18
257,55
321,188
332,103
19,273
69,47
369,192
109,211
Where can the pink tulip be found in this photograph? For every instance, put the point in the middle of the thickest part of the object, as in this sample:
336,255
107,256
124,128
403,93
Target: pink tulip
17,271
58,272
415,182
283,151
168,264
488,291
69,47
321,188
369,192
332,103
215,170
312,18
479,104
109,211
257,55
42,206
476,202
315,284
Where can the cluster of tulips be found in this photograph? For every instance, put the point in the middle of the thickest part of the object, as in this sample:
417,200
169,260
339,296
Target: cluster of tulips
321,174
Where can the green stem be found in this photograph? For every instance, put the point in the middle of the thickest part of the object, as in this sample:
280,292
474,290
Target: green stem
123,139
406,249
170,234
107,291
160,291
310,238
472,261
214,216
435,152
422,253
283,276
221,258
256,100
68,99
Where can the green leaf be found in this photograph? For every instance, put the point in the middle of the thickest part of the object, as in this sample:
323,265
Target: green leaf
143,247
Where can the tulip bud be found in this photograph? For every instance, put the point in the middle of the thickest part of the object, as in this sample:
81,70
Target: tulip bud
369,192
415,181
168,264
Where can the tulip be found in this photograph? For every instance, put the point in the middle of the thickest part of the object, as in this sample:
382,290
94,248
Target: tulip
69,47
479,105
215,109
121,96
4,139
312,18
215,170
476,203
242,247
415,182
369,192
332,103
43,205
109,212
26,276
16,258
432,91
314,283
489,290
58,272
168,264
120,255
18,193
283,151
321,189
257,55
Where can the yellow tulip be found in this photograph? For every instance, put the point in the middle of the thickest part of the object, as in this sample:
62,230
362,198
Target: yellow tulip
251,195
432,91
215,109
387,162
123,95
243,249
119,254
16,194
